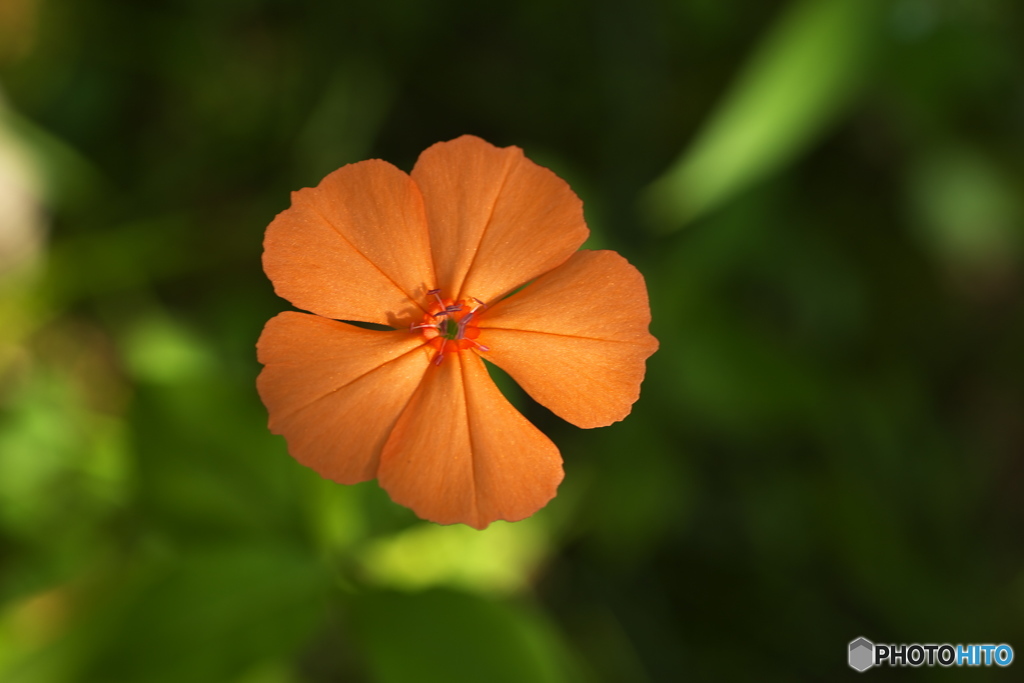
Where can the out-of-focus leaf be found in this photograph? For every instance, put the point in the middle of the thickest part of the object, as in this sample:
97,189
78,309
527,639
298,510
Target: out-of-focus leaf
206,618
740,380
218,613
807,69
499,559
344,123
641,489
231,475
120,259
64,461
28,626
161,350
966,210
442,636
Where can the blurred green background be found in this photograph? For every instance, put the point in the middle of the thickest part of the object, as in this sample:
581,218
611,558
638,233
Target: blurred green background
825,197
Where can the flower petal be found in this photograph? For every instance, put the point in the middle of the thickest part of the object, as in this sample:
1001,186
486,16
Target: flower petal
355,247
576,339
461,453
496,219
335,390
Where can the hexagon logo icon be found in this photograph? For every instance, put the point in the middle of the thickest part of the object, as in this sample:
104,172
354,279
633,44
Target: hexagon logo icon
862,654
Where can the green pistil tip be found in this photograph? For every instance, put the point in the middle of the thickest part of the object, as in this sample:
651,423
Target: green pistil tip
451,329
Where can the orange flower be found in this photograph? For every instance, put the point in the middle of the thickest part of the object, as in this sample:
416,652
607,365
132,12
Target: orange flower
435,255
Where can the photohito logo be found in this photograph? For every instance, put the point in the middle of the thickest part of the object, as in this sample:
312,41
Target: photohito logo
863,654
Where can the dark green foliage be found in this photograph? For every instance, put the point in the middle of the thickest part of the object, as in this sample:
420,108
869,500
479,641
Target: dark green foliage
825,198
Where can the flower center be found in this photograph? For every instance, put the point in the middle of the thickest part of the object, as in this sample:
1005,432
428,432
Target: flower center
450,326
451,329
